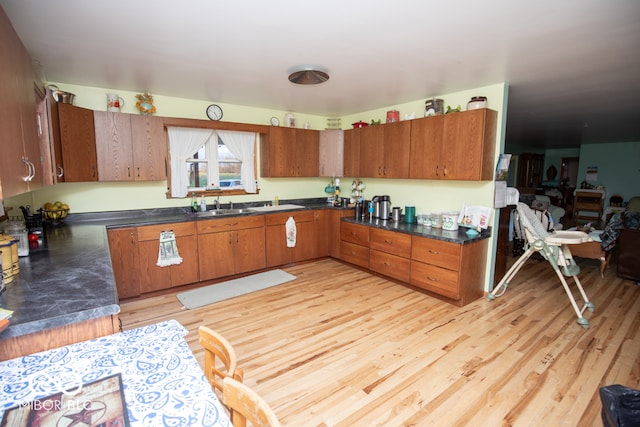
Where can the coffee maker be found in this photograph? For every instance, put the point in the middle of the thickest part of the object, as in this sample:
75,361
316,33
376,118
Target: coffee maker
381,207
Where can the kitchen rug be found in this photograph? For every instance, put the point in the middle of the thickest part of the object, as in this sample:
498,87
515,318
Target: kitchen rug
233,288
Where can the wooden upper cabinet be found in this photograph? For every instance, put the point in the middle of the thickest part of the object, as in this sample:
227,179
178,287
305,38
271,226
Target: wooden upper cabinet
331,153
397,141
384,150
289,152
456,146
372,151
129,147
468,145
78,140
20,162
351,162
426,147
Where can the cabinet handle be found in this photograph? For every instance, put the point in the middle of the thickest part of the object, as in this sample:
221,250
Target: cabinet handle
437,171
129,172
434,252
131,238
138,172
60,171
444,170
389,242
433,279
387,264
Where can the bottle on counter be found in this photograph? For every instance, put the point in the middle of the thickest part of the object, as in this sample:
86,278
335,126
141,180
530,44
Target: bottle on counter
337,201
194,203
203,204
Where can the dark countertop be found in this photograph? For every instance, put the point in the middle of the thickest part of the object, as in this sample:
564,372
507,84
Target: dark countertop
67,282
458,236
69,279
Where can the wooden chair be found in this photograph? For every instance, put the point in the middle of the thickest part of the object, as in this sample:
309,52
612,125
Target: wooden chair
245,404
216,347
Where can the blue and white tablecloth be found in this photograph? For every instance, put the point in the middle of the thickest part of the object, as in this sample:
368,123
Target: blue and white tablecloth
163,385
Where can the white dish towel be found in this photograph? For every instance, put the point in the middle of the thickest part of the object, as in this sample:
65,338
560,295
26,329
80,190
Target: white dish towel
168,251
291,232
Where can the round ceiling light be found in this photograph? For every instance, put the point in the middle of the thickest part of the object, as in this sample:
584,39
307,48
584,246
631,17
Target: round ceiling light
308,76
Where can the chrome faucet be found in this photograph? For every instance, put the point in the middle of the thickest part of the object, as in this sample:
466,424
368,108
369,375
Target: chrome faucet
217,202
230,204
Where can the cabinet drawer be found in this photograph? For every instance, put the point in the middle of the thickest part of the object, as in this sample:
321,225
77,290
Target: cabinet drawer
283,217
436,252
391,242
355,254
435,279
354,233
390,265
228,224
152,232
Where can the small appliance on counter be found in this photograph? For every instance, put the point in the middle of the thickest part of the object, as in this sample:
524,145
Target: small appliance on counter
381,207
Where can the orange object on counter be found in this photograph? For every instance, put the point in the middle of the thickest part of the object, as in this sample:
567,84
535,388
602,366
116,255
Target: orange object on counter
4,324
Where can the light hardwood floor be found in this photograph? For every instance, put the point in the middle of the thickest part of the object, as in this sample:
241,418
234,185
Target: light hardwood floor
342,347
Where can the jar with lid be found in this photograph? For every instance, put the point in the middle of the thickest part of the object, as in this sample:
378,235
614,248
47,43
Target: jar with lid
477,102
18,231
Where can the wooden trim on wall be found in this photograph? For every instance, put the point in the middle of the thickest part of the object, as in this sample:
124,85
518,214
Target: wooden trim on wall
210,124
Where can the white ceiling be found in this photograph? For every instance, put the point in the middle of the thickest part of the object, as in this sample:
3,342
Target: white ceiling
573,66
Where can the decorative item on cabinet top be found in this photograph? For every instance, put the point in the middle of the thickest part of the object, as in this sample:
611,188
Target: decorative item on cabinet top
145,103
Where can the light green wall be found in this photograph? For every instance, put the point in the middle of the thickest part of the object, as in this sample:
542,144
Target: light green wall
426,195
618,167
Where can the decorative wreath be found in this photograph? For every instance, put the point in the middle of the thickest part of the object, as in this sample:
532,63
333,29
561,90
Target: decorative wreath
145,103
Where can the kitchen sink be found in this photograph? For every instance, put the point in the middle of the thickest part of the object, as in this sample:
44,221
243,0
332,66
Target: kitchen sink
218,212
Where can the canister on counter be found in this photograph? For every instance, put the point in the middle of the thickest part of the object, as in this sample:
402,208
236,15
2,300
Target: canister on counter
410,214
436,219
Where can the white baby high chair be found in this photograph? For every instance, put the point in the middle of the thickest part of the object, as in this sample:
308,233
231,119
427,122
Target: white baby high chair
554,248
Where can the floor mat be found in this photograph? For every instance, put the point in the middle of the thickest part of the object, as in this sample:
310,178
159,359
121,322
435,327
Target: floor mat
233,288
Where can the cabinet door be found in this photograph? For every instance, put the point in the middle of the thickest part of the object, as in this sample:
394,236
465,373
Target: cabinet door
12,168
426,148
277,252
216,254
331,153
187,271
149,148
152,277
372,151
468,145
276,156
28,117
397,137
249,250
351,163
124,261
77,135
113,146
305,149
53,128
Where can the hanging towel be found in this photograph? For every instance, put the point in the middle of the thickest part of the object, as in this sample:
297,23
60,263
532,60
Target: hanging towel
291,232
168,252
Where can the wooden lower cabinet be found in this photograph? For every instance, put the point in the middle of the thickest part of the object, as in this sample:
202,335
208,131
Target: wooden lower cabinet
230,246
390,253
151,276
57,337
354,244
451,271
123,247
334,217
307,245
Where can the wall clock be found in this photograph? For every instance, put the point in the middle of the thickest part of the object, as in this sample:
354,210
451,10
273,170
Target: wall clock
214,112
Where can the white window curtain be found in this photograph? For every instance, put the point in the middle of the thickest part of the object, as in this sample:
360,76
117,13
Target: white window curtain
242,145
183,142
